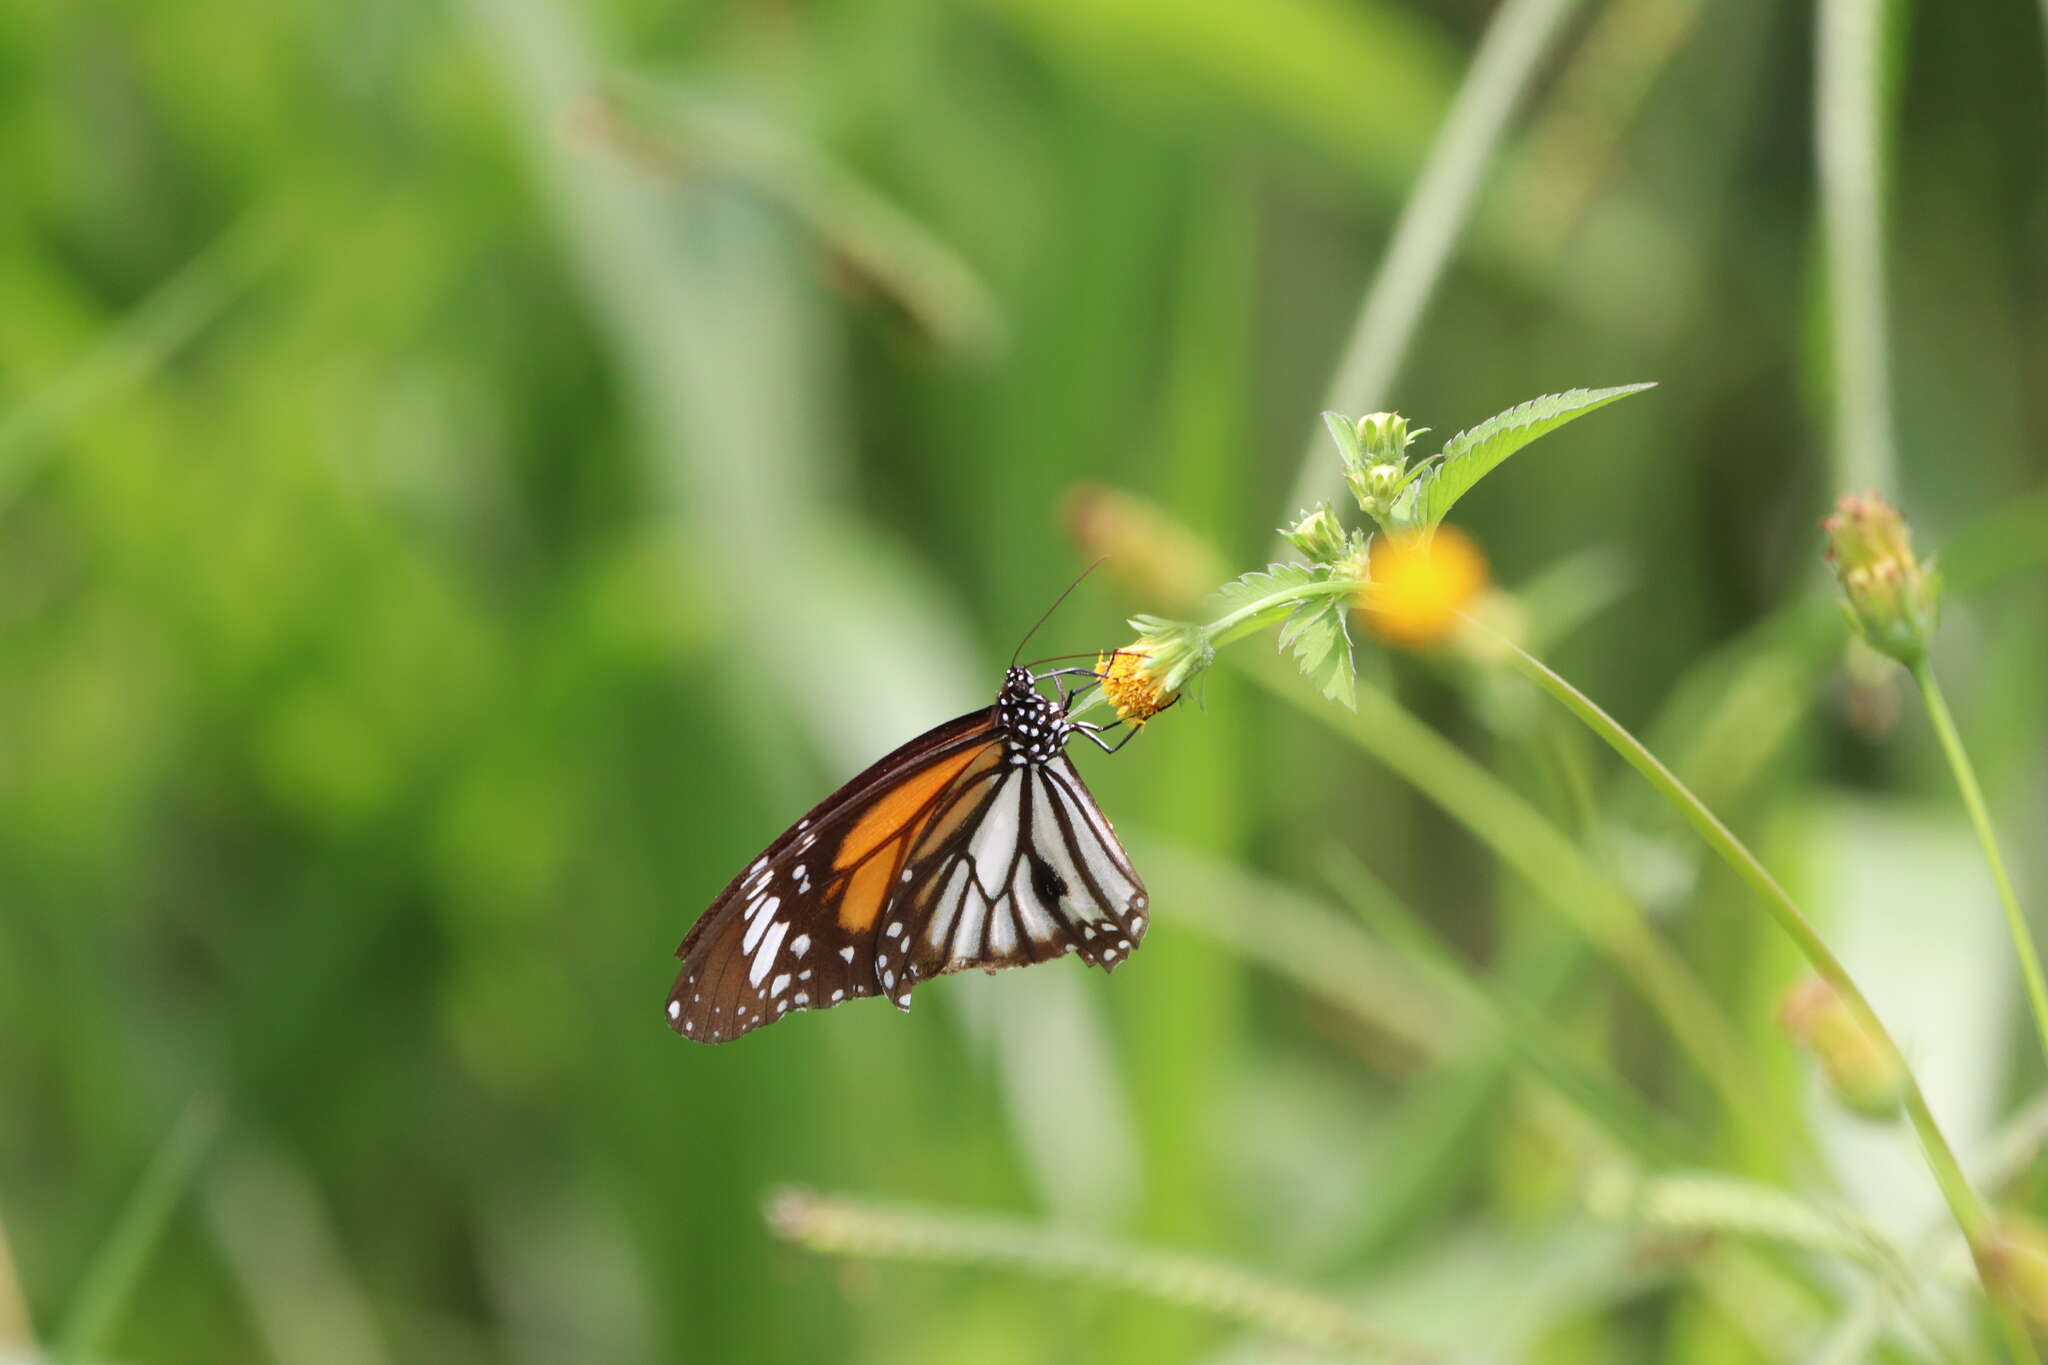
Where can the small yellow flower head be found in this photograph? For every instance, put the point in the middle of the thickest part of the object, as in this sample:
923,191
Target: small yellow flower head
1890,596
1131,685
1420,586
1862,1073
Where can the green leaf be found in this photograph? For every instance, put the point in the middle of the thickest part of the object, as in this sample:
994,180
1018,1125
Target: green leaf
1319,636
1471,455
1346,436
1261,590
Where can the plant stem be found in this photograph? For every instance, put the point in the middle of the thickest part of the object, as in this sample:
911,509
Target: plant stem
117,1267
836,1226
1971,1215
16,1331
1980,816
1848,132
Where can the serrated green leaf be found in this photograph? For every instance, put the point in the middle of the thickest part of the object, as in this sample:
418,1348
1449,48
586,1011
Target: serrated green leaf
1259,585
1471,455
1346,436
1319,637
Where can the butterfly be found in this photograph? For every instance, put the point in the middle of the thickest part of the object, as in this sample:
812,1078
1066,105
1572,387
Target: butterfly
974,845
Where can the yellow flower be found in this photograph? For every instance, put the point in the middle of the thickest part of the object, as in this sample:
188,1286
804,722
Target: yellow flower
1131,685
1420,585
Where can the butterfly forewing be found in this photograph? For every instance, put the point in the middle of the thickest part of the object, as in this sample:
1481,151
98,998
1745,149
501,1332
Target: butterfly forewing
975,845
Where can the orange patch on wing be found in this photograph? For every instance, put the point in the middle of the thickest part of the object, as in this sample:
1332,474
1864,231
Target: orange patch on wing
944,823
865,894
895,819
893,815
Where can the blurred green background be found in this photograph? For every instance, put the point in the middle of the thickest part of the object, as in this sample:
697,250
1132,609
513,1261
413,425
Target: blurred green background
471,473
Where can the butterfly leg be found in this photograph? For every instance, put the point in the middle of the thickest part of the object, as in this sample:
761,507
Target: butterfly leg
1093,733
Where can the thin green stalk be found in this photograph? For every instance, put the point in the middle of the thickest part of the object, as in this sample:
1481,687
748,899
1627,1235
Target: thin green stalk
1849,49
1980,816
110,1279
1549,861
1508,1020
15,1328
1510,54
140,343
1971,1215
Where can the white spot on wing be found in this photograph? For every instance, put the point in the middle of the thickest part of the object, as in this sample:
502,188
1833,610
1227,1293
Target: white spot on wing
760,915
765,955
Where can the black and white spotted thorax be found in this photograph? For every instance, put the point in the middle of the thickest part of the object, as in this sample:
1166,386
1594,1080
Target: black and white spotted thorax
1034,725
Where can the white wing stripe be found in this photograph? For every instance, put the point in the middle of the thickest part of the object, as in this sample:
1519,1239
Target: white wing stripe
951,895
995,842
1106,874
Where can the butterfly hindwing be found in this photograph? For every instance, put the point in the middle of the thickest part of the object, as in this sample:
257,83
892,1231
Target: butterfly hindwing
1042,874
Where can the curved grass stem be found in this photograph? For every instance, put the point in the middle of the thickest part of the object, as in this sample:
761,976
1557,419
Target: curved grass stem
1553,866
847,1227
1969,1211
1980,816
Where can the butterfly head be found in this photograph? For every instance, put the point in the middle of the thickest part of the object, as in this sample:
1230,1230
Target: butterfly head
1034,724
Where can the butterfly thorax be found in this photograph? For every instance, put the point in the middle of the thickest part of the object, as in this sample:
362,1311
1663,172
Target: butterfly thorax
1035,726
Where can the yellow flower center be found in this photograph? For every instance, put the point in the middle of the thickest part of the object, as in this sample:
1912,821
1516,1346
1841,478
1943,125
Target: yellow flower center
1130,684
1419,586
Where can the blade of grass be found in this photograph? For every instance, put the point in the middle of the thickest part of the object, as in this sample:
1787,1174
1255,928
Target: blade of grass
1576,145
1714,1202
1514,46
847,1227
669,130
1847,126
1970,1213
140,344
1308,943
15,1327
307,1300
1510,1020
110,1279
1548,860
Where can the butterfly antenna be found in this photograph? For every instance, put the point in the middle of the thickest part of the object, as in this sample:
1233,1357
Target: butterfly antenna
1053,608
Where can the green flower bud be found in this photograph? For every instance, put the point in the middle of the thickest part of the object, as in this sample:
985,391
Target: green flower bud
1864,1074
1384,438
1319,535
1374,485
2015,1258
1890,597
